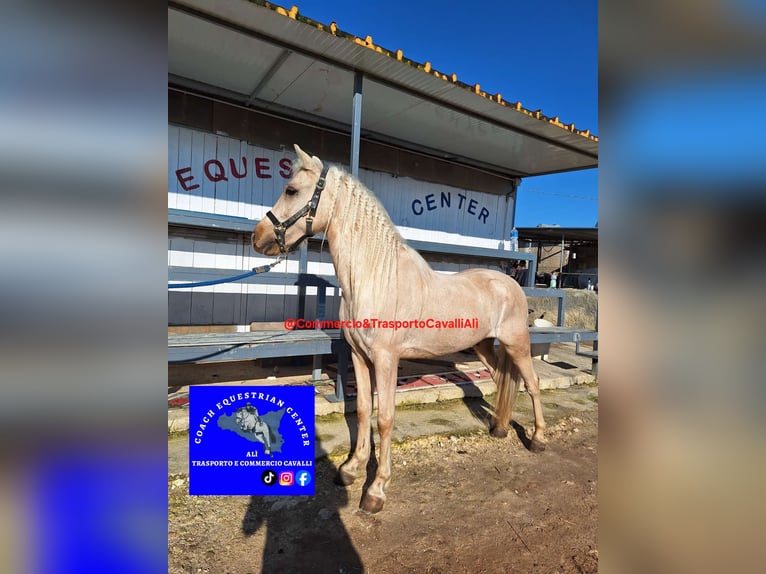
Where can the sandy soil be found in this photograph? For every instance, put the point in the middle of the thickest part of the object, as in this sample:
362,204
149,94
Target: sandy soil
456,504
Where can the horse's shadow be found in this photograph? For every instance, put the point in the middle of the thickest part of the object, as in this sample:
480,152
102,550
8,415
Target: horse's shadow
480,409
303,533
473,398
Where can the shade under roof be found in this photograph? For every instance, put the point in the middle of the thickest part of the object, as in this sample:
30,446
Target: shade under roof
557,234
271,59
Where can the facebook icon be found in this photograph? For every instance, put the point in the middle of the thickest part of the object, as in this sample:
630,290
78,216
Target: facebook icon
303,477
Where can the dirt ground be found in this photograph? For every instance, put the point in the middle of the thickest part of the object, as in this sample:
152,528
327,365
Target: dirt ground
457,503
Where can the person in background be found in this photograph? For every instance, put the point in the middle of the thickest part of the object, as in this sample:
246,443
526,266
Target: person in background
520,272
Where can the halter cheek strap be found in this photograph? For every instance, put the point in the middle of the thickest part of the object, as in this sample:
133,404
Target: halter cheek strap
309,210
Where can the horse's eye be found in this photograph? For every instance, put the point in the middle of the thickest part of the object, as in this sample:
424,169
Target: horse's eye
291,191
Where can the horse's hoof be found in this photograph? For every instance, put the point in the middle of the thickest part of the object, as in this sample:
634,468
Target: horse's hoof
536,445
344,478
371,504
498,432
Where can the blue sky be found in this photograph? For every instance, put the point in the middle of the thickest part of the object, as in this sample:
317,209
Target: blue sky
542,53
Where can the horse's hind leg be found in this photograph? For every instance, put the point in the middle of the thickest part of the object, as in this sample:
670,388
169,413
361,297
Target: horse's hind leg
507,380
354,466
522,358
486,352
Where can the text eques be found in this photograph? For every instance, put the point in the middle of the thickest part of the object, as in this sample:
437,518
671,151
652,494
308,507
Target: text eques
216,170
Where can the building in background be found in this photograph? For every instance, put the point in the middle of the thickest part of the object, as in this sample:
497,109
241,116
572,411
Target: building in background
572,252
248,81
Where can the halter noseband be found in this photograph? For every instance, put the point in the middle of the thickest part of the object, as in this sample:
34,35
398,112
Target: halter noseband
280,228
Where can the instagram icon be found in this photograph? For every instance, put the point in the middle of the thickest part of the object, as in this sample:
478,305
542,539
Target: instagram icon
285,478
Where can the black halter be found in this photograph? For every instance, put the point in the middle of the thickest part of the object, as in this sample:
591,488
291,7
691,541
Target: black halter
310,208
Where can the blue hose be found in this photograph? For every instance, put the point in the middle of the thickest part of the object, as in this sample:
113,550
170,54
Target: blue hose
255,271
211,282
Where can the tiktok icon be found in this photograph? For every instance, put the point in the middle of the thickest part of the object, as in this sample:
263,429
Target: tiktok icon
269,478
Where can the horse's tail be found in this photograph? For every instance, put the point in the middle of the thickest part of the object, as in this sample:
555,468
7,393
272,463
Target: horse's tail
507,378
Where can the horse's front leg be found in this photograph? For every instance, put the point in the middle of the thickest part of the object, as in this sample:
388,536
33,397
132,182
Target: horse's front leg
357,464
385,380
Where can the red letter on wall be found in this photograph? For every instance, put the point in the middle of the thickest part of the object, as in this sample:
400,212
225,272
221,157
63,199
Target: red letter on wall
220,174
233,167
287,167
183,180
262,167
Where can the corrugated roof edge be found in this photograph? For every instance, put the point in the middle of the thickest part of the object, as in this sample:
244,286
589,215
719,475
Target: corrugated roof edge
332,28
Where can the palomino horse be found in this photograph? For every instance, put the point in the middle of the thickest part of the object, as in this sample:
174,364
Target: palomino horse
382,279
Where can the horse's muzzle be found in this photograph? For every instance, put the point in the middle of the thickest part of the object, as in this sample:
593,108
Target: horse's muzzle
262,243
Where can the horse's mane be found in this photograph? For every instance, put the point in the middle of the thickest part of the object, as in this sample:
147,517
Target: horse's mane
375,249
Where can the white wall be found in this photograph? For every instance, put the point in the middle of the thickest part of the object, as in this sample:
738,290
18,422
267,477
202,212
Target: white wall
207,173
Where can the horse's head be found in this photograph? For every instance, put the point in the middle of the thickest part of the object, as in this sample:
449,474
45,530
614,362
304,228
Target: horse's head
298,213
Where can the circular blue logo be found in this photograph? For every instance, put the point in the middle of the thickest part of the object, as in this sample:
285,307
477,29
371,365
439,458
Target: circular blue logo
303,477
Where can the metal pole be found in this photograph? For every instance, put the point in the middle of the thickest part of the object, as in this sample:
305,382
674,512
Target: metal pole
561,261
341,380
506,230
356,130
515,182
356,123
510,222
532,271
316,363
303,268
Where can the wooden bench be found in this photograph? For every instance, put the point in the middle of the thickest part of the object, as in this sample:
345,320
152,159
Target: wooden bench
561,334
214,347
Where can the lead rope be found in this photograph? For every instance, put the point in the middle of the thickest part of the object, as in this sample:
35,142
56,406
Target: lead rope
256,270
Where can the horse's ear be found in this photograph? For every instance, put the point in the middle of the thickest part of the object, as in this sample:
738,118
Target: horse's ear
303,157
307,161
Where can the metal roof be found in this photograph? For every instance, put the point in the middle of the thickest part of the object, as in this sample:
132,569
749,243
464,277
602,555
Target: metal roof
556,234
266,57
